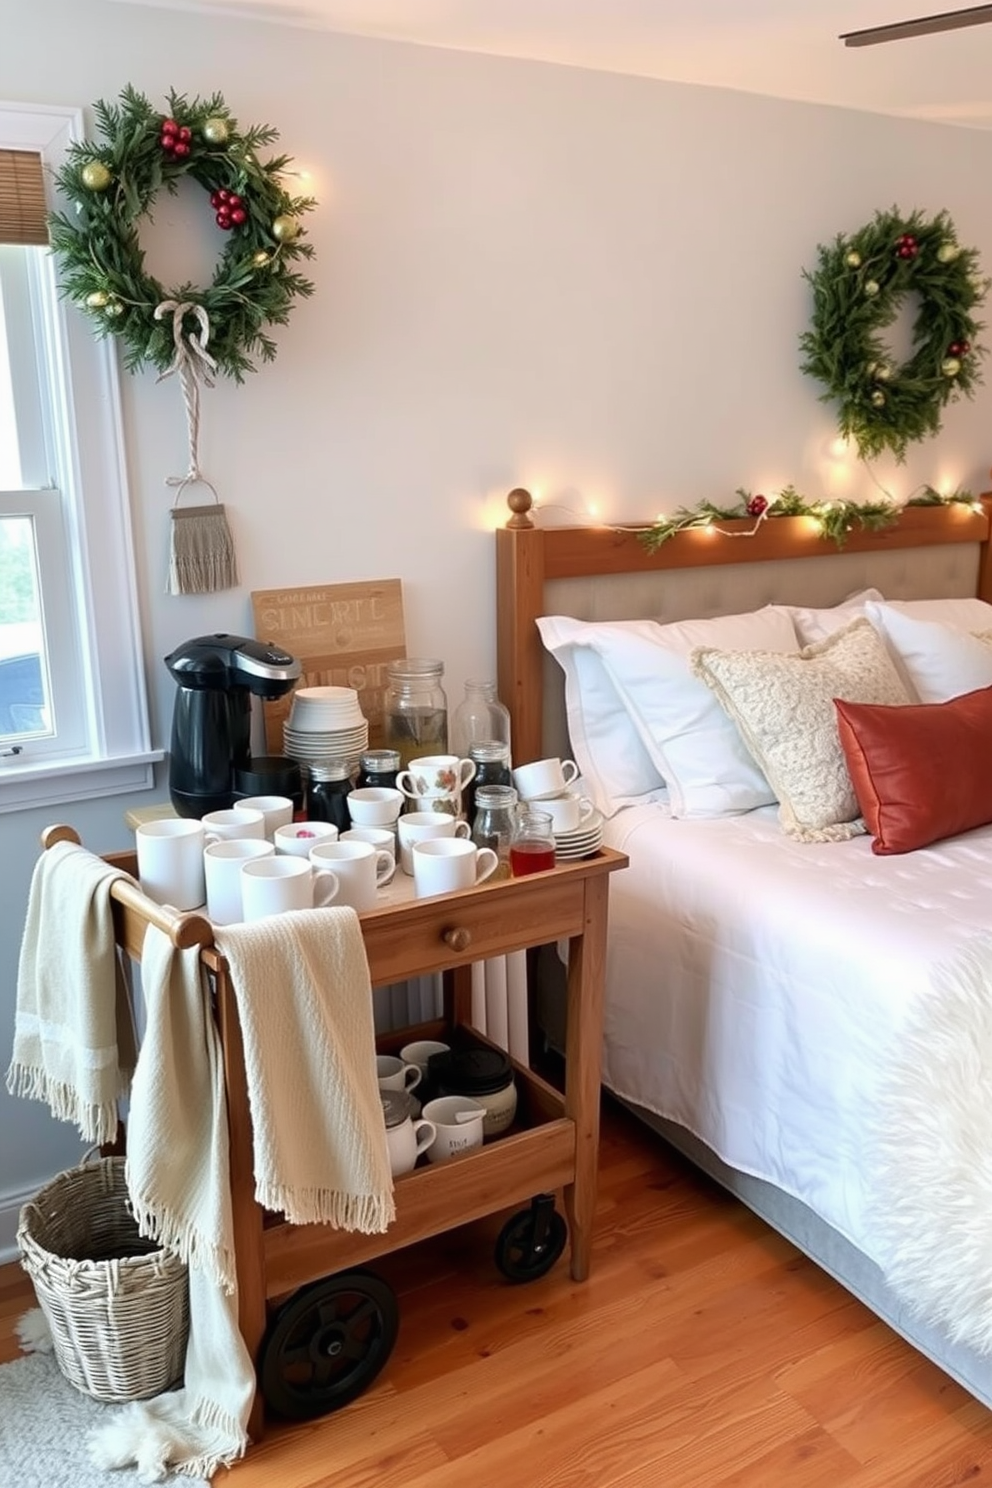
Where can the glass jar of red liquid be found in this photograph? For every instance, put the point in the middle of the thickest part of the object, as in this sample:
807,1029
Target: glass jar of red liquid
532,845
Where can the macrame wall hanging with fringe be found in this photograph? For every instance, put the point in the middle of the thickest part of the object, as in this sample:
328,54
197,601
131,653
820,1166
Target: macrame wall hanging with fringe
189,333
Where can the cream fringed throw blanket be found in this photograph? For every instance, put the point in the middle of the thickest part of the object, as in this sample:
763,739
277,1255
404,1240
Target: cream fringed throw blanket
302,986
74,1044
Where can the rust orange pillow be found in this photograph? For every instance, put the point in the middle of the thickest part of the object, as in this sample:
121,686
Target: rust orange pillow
922,771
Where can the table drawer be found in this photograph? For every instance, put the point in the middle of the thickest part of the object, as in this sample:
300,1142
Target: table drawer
436,934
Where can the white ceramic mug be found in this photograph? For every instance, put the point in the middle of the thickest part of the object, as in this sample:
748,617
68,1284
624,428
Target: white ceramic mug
543,778
361,870
444,865
298,838
170,860
377,836
236,823
374,805
276,884
394,1073
567,812
222,864
437,779
277,811
420,1051
406,1142
457,1122
421,826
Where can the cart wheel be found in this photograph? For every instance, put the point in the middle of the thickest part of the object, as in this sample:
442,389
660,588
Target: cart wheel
529,1244
328,1344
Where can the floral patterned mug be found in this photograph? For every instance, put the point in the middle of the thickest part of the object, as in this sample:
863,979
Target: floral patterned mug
435,782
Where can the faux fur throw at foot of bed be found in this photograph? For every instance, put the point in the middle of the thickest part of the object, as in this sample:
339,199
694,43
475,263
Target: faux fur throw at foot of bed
931,1210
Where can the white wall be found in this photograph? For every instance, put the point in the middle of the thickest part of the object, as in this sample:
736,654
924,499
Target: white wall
525,275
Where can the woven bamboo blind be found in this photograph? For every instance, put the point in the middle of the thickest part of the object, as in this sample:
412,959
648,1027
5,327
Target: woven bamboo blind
22,198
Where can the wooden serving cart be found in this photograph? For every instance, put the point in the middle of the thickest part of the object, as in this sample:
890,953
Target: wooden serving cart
553,1143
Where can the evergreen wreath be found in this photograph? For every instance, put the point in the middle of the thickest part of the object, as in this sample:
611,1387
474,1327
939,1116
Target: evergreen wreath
113,185
858,288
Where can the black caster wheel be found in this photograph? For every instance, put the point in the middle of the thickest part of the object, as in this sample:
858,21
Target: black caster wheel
529,1244
327,1344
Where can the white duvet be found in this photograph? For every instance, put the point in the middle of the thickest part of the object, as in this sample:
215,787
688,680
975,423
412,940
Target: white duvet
759,990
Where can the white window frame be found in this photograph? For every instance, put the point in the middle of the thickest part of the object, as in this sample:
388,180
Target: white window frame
116,756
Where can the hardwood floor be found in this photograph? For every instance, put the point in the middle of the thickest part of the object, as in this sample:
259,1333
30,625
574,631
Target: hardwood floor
703,1352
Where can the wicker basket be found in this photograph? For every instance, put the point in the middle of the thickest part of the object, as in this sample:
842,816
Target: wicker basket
116,1304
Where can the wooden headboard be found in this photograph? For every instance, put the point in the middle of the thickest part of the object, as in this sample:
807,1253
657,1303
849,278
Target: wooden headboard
934,551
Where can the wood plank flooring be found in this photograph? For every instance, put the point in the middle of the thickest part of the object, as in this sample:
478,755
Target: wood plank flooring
703,1352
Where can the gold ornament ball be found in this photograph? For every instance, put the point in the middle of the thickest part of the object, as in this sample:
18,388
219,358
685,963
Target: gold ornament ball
950,366
853,259
871,288
285,228
947,253
883,372
878,399
115,308
261,258
98,299
216,131
95,176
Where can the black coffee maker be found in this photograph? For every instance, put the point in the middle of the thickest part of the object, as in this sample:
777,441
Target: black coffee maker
217,677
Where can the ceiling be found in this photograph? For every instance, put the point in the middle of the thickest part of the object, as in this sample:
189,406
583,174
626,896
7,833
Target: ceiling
785,48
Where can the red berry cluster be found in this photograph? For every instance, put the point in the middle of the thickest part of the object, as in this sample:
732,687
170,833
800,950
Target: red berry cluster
907,246
229,207
959,348
757,506
175,139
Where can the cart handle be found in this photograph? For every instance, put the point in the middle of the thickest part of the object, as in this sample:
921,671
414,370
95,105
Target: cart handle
183,929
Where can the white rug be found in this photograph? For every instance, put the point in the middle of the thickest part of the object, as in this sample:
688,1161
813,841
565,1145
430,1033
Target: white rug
44,1425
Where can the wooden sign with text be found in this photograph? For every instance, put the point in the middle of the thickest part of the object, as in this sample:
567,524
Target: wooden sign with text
345,635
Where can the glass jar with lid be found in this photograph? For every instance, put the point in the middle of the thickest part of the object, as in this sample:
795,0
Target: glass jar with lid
492,767
480,718
494,821
415,709
378,767
327,792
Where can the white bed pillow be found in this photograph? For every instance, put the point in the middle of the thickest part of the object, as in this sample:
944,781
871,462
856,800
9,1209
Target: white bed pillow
964,614
784,707
606,746
938,661
695,747
812,625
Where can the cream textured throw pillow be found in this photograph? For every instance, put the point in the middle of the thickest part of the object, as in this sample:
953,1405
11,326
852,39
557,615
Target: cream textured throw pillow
784,708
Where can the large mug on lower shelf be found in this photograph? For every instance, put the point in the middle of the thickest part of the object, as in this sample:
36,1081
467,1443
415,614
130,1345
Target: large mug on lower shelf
280,883
422,826
445,865
457,1122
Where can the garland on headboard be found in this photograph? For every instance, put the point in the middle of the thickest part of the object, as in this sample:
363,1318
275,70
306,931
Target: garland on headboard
835,519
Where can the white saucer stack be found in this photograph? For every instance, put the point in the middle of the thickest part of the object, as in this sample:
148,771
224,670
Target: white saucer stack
582,842
325,723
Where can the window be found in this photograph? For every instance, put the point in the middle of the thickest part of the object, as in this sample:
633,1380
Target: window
68,605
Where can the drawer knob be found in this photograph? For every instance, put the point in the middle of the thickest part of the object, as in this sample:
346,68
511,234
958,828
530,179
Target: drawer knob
459,937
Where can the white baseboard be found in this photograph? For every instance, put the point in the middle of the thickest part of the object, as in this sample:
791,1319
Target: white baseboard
10,1210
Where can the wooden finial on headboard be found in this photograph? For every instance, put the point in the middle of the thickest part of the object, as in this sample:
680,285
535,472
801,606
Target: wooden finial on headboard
520,502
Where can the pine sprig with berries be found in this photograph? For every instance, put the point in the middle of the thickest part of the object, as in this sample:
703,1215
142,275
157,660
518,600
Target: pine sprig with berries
111,184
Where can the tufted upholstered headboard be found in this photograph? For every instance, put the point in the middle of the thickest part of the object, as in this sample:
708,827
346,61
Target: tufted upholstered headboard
605,573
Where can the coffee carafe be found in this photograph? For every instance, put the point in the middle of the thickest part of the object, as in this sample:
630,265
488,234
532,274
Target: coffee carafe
217,676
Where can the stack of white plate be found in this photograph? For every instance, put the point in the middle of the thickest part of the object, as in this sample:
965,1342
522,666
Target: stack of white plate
583,841
325,723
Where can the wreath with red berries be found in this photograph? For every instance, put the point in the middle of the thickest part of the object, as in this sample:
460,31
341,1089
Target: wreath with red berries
113,184
859,286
